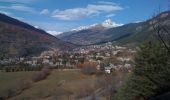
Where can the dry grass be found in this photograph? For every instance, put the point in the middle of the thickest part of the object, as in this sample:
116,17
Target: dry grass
59,85
14,82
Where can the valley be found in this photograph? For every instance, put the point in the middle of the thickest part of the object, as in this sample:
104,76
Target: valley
60,84
128,33
43,56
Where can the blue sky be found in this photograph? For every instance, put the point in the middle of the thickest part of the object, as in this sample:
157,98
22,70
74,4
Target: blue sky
64,15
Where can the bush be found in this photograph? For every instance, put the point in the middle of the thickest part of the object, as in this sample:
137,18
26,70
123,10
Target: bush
89,70
42,74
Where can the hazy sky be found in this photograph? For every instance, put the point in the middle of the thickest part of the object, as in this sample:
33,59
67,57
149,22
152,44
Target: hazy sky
64,15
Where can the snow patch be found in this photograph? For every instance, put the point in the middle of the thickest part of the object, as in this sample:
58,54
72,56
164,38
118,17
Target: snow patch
54,33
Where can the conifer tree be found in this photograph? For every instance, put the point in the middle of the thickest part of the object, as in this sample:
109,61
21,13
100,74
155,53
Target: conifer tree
150,75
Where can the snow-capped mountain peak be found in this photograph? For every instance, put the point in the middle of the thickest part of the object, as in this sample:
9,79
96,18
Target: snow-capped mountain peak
106,24
84,27
54,32
109,24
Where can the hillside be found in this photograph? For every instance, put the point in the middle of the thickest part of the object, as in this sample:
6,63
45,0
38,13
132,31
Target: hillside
19,39
133,32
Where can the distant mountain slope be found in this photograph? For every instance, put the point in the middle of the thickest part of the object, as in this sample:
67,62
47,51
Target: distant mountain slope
91,34
144,30
133,32
20,39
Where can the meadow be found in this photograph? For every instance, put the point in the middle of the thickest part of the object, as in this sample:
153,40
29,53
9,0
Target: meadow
59,85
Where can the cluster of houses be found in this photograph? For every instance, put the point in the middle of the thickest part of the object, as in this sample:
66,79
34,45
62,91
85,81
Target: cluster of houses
102,54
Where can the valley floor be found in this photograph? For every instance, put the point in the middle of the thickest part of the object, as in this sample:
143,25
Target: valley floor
59,85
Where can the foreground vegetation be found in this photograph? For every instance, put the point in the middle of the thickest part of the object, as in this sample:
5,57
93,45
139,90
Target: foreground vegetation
12,84
150,75
66,84
148,79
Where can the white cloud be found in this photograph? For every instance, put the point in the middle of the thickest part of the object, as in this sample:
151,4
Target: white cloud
110,15
55,11
6,13
71,14
45,12
19,7
24,8
104,8
18,1
37,27
108,3
19,18
54,33
138,21
116,24
11,15
90,10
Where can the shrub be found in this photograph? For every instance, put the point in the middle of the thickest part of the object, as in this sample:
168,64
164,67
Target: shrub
89,70
42,74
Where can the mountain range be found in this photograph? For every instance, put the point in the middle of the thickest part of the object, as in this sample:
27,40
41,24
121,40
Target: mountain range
128,33
18,39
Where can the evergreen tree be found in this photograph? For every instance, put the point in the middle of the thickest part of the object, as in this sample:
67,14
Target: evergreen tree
150,75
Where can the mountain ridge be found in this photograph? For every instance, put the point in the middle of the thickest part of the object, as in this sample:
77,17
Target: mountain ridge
132,32
18,39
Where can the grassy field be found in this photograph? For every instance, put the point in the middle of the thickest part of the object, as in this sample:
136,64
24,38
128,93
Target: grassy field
59,85
14,82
